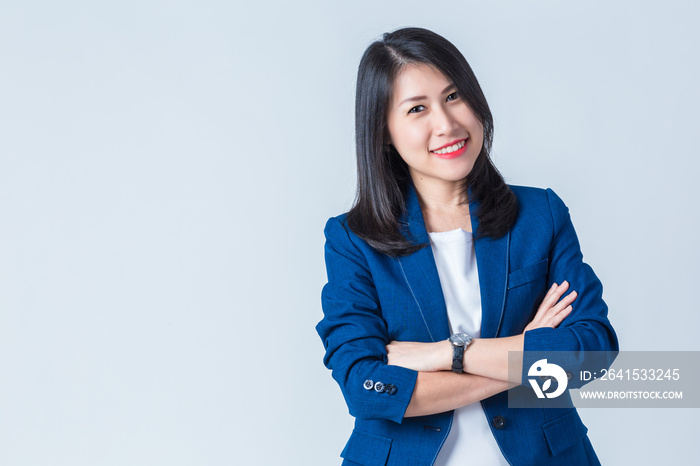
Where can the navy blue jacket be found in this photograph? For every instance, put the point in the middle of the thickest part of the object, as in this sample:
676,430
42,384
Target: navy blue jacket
371,299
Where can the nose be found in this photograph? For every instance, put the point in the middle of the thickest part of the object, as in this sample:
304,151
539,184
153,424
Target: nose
443,122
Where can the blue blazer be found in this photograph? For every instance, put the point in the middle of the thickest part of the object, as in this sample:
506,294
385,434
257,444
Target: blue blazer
371,299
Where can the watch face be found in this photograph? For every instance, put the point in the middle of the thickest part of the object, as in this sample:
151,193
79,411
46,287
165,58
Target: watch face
460,339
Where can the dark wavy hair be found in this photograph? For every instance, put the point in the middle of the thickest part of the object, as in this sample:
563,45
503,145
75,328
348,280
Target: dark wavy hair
382,175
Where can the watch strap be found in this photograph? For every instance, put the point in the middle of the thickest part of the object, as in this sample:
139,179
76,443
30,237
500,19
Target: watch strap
457,358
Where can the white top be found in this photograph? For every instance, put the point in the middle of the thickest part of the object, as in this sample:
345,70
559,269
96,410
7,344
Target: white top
470,440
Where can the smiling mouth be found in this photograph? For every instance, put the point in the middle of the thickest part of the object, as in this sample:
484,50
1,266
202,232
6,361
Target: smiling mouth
450,149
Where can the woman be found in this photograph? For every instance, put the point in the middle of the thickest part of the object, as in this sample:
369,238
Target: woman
441,269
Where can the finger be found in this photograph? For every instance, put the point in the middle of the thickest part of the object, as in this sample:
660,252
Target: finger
545,317
566,300
553,319
545,304
559,318
571,297
551,290
552,299
559,292
561,305
561,289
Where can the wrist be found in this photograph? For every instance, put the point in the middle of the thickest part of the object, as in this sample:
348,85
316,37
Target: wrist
460,342
467,360
446,355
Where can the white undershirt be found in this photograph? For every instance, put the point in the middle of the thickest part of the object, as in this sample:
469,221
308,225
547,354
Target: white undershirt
470,440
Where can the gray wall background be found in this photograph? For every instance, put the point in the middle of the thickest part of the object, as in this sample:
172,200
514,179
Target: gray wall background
166,170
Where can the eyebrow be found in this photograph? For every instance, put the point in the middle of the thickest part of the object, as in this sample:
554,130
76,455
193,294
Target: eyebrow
421,97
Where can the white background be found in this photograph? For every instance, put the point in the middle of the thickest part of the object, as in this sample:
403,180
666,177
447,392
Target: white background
166,170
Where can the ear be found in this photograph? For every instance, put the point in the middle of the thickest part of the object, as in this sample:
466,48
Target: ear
387,136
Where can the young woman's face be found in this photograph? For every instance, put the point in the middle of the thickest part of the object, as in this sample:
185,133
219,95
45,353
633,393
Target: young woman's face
431,127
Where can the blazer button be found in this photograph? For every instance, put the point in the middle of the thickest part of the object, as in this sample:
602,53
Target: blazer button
369,384
390,388
498,422
379,387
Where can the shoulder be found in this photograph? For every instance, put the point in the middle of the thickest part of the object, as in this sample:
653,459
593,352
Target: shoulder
337,226
340,238
539,206
532,197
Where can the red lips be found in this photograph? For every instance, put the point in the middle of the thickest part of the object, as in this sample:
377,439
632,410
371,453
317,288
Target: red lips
449,144
452,155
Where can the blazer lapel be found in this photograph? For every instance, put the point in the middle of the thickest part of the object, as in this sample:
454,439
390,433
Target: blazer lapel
420,272
421,275
492,264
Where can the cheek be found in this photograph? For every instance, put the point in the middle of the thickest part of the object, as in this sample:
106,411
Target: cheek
476,133
479,139
479,130
411,140
472,123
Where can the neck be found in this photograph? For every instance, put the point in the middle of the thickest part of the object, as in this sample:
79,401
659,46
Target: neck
443,204
439,194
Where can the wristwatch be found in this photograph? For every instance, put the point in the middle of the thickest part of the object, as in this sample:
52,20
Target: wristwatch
459,341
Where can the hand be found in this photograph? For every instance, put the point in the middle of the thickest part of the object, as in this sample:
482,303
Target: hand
551,313
426,357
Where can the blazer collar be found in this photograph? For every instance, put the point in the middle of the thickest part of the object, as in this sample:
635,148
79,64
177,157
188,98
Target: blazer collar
421,275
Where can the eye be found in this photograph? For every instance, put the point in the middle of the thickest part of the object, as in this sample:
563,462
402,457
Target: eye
454,96
416,109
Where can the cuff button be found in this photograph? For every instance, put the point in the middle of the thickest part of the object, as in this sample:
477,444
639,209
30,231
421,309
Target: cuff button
369,384
379,387
498,422
390,388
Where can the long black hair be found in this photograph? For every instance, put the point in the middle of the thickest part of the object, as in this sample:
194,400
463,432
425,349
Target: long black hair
382,175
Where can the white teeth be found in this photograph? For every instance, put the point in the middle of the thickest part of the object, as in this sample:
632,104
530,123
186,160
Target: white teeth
450,149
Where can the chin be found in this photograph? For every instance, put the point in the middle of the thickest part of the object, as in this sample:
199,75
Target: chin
453,177
457,175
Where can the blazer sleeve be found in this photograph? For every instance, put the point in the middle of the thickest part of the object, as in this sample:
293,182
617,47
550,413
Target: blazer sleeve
587,327
355,335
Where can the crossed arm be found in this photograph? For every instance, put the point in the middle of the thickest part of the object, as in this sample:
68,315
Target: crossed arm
486,369
354,333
